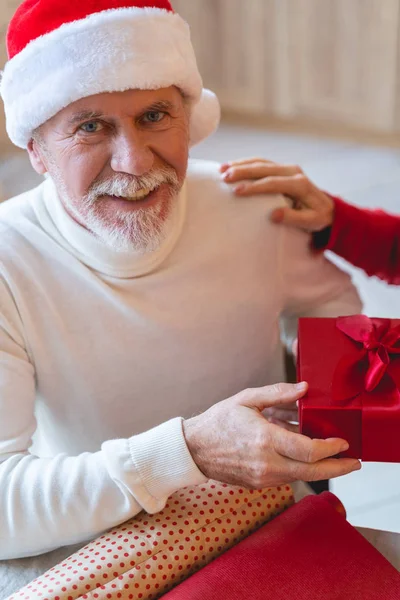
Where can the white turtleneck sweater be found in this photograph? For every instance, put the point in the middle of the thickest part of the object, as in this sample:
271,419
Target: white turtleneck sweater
102,354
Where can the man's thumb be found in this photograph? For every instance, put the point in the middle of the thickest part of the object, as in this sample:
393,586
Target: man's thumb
273,395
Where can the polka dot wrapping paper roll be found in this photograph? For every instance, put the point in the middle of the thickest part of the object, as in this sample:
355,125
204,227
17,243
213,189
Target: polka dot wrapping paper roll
145,557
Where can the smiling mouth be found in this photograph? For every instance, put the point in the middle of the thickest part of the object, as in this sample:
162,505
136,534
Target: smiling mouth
140,195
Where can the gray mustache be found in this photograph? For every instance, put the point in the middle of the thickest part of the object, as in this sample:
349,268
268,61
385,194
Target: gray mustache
121,185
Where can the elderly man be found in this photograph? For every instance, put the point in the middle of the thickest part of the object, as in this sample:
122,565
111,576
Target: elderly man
139,300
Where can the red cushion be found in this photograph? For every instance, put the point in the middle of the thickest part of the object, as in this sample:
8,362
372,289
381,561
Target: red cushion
309,552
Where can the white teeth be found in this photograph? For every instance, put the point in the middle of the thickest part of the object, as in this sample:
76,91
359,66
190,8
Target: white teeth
140,195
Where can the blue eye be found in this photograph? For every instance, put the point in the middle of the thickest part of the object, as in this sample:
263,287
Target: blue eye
154,116
91,127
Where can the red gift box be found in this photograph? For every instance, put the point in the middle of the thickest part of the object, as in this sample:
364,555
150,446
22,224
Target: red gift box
352,366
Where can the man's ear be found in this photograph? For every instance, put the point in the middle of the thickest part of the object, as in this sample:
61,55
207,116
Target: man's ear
35,156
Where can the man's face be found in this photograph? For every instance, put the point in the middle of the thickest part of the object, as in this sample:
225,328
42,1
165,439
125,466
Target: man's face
118,161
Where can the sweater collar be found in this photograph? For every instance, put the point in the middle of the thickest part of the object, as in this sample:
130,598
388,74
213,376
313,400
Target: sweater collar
94,253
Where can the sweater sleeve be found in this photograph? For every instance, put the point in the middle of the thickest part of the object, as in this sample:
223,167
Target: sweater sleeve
368,239
50,502
312,285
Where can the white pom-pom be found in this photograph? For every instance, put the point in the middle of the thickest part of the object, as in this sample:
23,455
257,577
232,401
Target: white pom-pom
205,117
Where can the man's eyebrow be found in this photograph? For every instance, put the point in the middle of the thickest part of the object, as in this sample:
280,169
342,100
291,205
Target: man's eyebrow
84,115
160,105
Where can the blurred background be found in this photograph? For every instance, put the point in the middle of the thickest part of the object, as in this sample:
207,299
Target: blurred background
311,82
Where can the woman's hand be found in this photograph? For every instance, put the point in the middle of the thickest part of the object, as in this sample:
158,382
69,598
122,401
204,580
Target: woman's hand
311,210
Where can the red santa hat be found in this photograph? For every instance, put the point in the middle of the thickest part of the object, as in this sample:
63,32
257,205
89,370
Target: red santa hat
63,50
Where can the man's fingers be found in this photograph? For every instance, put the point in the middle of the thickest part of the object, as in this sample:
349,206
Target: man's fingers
284,424
329,468
272,395
286,413
286,409
282,413
304,449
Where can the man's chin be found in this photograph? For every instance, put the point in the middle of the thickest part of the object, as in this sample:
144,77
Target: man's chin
141,231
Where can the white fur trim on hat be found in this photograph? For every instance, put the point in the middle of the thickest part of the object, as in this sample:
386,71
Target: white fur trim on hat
205,117
114,50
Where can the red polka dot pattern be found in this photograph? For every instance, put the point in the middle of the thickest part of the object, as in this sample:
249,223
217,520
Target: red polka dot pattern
146,556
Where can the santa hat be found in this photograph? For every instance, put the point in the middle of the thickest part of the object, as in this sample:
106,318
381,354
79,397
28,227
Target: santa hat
63,50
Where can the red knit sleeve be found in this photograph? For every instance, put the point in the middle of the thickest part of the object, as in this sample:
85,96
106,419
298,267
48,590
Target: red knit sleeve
369,239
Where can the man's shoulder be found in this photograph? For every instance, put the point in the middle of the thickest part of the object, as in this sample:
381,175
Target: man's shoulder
213,206
204,172
20,204
205,185
17,217
204,178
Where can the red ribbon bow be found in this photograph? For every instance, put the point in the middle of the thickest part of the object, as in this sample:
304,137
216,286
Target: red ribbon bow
369,371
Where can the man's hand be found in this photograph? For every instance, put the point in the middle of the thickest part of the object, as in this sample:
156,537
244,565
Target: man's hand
234,443
284,416
312,209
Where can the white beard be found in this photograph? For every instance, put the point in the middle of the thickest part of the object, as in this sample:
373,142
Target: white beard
140,231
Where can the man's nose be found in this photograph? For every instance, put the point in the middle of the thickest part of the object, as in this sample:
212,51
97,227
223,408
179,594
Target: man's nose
132,154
